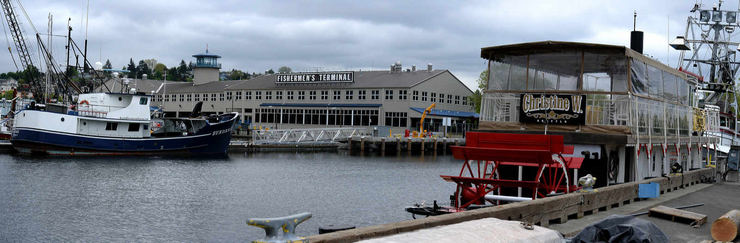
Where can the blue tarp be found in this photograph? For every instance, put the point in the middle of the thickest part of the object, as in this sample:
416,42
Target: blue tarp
447,113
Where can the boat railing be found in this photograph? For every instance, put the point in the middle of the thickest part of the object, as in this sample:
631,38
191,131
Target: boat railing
643,117
99,111
600,109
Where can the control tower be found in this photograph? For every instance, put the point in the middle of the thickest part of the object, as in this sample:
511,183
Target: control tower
206,68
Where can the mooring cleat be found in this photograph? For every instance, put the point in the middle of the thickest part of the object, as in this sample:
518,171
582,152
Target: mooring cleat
285,224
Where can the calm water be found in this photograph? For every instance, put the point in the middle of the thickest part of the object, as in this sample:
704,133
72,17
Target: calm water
180,199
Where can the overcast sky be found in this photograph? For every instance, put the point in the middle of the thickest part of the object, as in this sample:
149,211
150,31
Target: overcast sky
307,35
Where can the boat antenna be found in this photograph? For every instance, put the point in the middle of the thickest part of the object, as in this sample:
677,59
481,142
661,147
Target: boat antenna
634,21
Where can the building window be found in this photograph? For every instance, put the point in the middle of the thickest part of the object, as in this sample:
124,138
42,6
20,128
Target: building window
197,97
301,95
388,94
166,98
361,94
312,95
278,95
449,99
238,95
396,119
189,97
337,95
465,100
423,96
248,95
348,95
403,94
415,95
434,97
257,95
268,95
221,97
324,94
290,95
457,99
229,95
441,98
182,97
213,97
375,94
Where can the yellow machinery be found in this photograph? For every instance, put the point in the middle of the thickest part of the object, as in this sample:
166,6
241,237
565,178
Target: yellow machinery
422,133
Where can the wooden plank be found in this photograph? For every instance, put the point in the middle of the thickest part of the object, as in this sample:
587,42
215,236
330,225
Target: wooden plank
678,215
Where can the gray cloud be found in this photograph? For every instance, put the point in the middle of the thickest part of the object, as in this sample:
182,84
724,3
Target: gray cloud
330,35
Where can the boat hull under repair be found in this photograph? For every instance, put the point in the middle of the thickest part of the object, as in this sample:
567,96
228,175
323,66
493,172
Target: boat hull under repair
213,139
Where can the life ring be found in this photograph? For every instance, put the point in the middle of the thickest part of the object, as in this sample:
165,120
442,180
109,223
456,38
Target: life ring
84,102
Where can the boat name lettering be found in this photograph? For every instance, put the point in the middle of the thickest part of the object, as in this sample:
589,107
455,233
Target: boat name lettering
552,109
315,77
222,131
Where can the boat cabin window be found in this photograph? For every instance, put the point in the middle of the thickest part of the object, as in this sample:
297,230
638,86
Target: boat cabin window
560,70
133,127
143,101
111,126
651,81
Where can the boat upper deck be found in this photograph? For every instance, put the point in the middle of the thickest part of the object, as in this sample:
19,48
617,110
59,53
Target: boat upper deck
590,88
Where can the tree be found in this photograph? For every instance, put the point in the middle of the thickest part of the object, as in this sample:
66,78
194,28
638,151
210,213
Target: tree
131,69
107,65
284,69
172,74
159,71
142,69
270,71
477,96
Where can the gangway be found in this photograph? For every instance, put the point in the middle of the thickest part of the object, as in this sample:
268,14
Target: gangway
306,135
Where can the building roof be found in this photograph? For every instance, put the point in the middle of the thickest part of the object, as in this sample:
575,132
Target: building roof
362,79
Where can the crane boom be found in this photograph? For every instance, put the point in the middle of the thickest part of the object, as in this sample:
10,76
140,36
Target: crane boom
17,33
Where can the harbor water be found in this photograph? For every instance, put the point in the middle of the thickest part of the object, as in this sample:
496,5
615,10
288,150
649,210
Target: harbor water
209,199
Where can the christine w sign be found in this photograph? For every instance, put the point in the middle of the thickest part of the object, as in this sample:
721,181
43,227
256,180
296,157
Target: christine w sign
327,77
553,109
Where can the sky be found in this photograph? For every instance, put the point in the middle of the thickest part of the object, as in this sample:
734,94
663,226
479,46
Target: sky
255,36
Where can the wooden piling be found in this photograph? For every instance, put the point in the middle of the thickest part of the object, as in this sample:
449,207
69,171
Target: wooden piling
435,145
398,145
408,146
362,144
423,142
382,146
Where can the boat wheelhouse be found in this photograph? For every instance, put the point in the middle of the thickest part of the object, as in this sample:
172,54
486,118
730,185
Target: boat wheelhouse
629,115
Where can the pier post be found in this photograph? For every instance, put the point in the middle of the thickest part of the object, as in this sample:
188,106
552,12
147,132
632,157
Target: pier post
444,146
408,146
435,145
362,144
382,146
349,143
398,145
423,142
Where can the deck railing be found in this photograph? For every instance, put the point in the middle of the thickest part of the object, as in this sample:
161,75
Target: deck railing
644,117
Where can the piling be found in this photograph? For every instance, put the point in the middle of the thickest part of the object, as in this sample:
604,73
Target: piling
362,144
423,142
408,146
435,145
398,145
382,146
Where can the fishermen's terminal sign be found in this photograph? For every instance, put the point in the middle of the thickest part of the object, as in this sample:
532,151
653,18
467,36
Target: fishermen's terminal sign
329,77
553,109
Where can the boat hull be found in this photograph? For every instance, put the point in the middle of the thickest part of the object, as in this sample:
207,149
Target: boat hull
36,141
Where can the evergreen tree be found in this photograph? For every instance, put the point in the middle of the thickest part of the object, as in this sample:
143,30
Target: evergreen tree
107,65
142,69
182,71
270,71
131,69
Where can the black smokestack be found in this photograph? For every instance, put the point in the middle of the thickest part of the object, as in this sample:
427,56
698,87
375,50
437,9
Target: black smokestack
636,41
636,36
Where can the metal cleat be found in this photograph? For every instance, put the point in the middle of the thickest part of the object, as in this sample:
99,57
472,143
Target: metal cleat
287,224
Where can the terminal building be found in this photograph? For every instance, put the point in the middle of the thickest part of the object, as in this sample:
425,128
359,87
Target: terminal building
394,97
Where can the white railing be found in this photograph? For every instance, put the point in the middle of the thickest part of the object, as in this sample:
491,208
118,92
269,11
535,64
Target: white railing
600,109
307,135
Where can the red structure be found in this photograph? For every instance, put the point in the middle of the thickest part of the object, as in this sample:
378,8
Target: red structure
486,154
